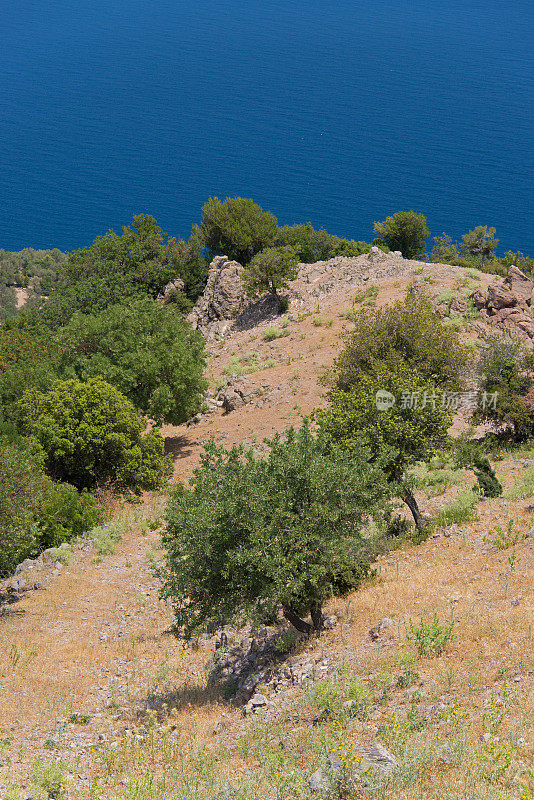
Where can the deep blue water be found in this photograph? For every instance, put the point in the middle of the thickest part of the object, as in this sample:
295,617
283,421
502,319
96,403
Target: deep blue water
338,112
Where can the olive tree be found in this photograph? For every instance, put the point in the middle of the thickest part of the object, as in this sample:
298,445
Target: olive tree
398,415
406,231
256,533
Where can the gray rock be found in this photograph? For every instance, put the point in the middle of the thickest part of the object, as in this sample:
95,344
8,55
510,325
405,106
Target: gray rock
176,285
222,300
384,624
321,783
372,766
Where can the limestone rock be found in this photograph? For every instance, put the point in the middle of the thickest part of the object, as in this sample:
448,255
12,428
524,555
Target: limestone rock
372,766
176,285
223,297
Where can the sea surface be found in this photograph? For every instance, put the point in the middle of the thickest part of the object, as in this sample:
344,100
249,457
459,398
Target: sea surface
337,112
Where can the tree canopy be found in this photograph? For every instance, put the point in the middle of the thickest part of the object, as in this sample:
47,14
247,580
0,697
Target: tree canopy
92,436
144,350
271,270
236,227
406,231
255,533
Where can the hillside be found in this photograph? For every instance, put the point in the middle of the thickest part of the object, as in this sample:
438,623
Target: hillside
99,700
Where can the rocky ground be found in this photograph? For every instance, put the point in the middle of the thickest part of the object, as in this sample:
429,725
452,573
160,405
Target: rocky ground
95,687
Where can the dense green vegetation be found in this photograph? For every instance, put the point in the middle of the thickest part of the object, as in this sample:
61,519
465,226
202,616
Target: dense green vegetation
145,350
92,436
406,231
258,532
35,271
94,363
36,512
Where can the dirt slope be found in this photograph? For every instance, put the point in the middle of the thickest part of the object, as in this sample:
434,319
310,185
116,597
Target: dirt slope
95,640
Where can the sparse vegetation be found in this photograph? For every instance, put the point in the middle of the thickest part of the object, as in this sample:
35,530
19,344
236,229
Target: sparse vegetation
431,639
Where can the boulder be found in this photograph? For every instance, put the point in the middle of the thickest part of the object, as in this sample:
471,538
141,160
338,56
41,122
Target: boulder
222,299
518,282
459,305
371,766
176,285
501,296
479,299
237,393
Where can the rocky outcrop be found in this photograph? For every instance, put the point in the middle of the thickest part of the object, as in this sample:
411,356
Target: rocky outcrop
237,393
507,304
222,300
166,294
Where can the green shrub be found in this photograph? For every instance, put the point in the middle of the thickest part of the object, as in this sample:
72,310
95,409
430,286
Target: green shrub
431,639
21,487
236,227
117,269
503,538
487,483
270,271
65,513
320,245
272,333
255,533
406,231
505,369
145,350
409,329
92,436
460,510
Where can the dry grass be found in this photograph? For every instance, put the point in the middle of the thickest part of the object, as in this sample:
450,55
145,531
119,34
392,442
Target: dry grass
95,643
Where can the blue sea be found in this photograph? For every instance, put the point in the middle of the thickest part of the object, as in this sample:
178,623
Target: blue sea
335,112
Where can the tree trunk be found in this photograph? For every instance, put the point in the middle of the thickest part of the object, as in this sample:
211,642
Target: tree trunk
317,617
411,502
300,624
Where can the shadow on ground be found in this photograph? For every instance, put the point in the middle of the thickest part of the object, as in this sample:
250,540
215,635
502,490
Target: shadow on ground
177,447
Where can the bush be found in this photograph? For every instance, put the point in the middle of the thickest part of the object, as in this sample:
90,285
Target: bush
118,268
487,483
21,487
270,270
312,245
65,513
145,350
254,533
406,231
236,227
480,243
92,435
409,329
505,374
28,358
